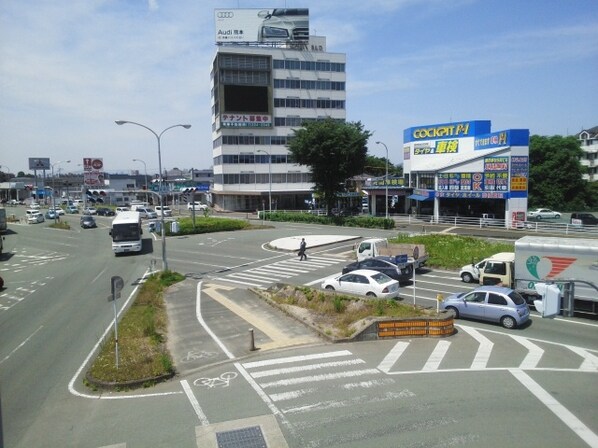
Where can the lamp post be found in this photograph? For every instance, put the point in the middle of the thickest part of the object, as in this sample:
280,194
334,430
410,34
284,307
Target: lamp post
145,169
54,188
385,179
158,137
269,178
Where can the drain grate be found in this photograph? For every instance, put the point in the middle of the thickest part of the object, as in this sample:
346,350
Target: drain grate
250,437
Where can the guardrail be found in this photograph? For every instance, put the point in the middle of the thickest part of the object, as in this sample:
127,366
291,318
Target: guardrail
527,226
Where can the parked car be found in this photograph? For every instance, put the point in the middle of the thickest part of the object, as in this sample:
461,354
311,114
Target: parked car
585,219
382,264
51,214
364,282
197,205
105,211
72,209
88,222
90,211
122,209
491,303
35,216
59,211
163,210
543,213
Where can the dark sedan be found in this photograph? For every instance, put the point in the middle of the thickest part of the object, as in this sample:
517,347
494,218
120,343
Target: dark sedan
382,264
104,211
88,222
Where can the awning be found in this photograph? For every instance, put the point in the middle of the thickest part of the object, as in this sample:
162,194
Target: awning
418,197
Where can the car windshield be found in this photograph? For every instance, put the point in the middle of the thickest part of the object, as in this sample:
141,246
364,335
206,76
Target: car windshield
517,298
381,278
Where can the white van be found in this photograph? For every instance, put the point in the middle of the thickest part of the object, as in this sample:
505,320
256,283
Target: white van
146,212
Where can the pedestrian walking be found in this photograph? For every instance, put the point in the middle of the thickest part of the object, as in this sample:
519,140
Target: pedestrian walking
302,247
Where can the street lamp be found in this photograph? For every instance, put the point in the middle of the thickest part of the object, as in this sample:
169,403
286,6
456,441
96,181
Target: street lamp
269,178
145,168
54,188
385,179
158,137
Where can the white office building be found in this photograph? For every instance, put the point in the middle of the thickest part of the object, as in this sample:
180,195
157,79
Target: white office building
260,93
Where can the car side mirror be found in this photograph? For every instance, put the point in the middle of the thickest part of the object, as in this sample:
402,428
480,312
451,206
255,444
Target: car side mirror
110,232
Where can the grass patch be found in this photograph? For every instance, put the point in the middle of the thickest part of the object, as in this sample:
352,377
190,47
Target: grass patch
454,251
371,222
208,224
62,225
141,337
339,314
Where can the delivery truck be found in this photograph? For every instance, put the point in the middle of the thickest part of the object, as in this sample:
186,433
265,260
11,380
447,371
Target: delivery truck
570,263
413,255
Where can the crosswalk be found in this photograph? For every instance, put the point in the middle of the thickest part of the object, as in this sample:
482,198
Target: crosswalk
312,379
280,271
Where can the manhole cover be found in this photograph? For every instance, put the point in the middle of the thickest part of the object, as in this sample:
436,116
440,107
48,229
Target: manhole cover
250,437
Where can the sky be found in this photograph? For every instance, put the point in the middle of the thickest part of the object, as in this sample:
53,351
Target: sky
69,69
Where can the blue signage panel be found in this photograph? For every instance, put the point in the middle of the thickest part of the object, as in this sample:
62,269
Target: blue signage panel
447,130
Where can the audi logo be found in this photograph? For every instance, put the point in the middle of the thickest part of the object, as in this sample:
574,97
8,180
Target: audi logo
225,15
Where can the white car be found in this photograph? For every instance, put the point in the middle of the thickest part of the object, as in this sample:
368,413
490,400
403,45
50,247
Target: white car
34,216
543,213
59,211
197,205
364,282
163,210
90,211
146,213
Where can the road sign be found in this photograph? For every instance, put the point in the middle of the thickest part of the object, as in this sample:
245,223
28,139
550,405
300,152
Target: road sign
117,285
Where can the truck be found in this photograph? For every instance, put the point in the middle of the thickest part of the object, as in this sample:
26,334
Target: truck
569,263
413,256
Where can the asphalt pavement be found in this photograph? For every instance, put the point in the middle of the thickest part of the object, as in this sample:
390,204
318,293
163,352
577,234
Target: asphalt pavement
240,322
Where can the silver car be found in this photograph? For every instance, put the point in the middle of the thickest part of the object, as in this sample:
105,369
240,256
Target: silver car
492,303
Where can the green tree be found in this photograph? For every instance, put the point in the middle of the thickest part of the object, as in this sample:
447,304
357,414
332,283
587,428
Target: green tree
555,178
377,166
334,150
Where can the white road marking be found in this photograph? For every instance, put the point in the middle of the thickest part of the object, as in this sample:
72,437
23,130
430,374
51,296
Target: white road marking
566,416
205,326
291,359
534,353
391,358
484,350
437,356
21,344
194,403
590,361
315,378
306,368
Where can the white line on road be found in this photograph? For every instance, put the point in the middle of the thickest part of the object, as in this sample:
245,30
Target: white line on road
290,359
306,368
437,355
391,358
534,353
484,350
323,377
194,403
205,326
21,344
566,416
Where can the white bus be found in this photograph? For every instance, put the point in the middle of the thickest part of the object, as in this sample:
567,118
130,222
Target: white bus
126,232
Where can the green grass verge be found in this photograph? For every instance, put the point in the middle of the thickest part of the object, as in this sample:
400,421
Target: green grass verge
454,251
205,224
141,337
371,222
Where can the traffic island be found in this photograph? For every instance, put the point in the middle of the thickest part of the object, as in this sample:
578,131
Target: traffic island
344,318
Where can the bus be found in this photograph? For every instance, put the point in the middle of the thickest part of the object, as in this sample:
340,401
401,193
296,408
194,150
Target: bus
126,232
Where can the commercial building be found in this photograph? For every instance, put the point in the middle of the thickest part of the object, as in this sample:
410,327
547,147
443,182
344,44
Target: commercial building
268,77
464,169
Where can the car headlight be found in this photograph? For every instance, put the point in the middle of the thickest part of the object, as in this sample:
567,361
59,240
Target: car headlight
269,32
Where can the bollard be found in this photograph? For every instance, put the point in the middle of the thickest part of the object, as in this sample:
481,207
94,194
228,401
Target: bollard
251,340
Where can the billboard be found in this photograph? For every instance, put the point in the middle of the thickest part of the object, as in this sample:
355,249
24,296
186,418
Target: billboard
262,25
93,172
39,163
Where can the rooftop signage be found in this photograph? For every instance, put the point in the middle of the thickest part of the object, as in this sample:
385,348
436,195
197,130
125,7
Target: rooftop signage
262,25
447,130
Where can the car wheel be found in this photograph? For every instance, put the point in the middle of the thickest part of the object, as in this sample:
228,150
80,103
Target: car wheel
370,294
329,287
508,322
454,310
467,277
538,217
557,216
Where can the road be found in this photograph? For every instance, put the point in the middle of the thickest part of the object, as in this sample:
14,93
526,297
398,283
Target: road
484,386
